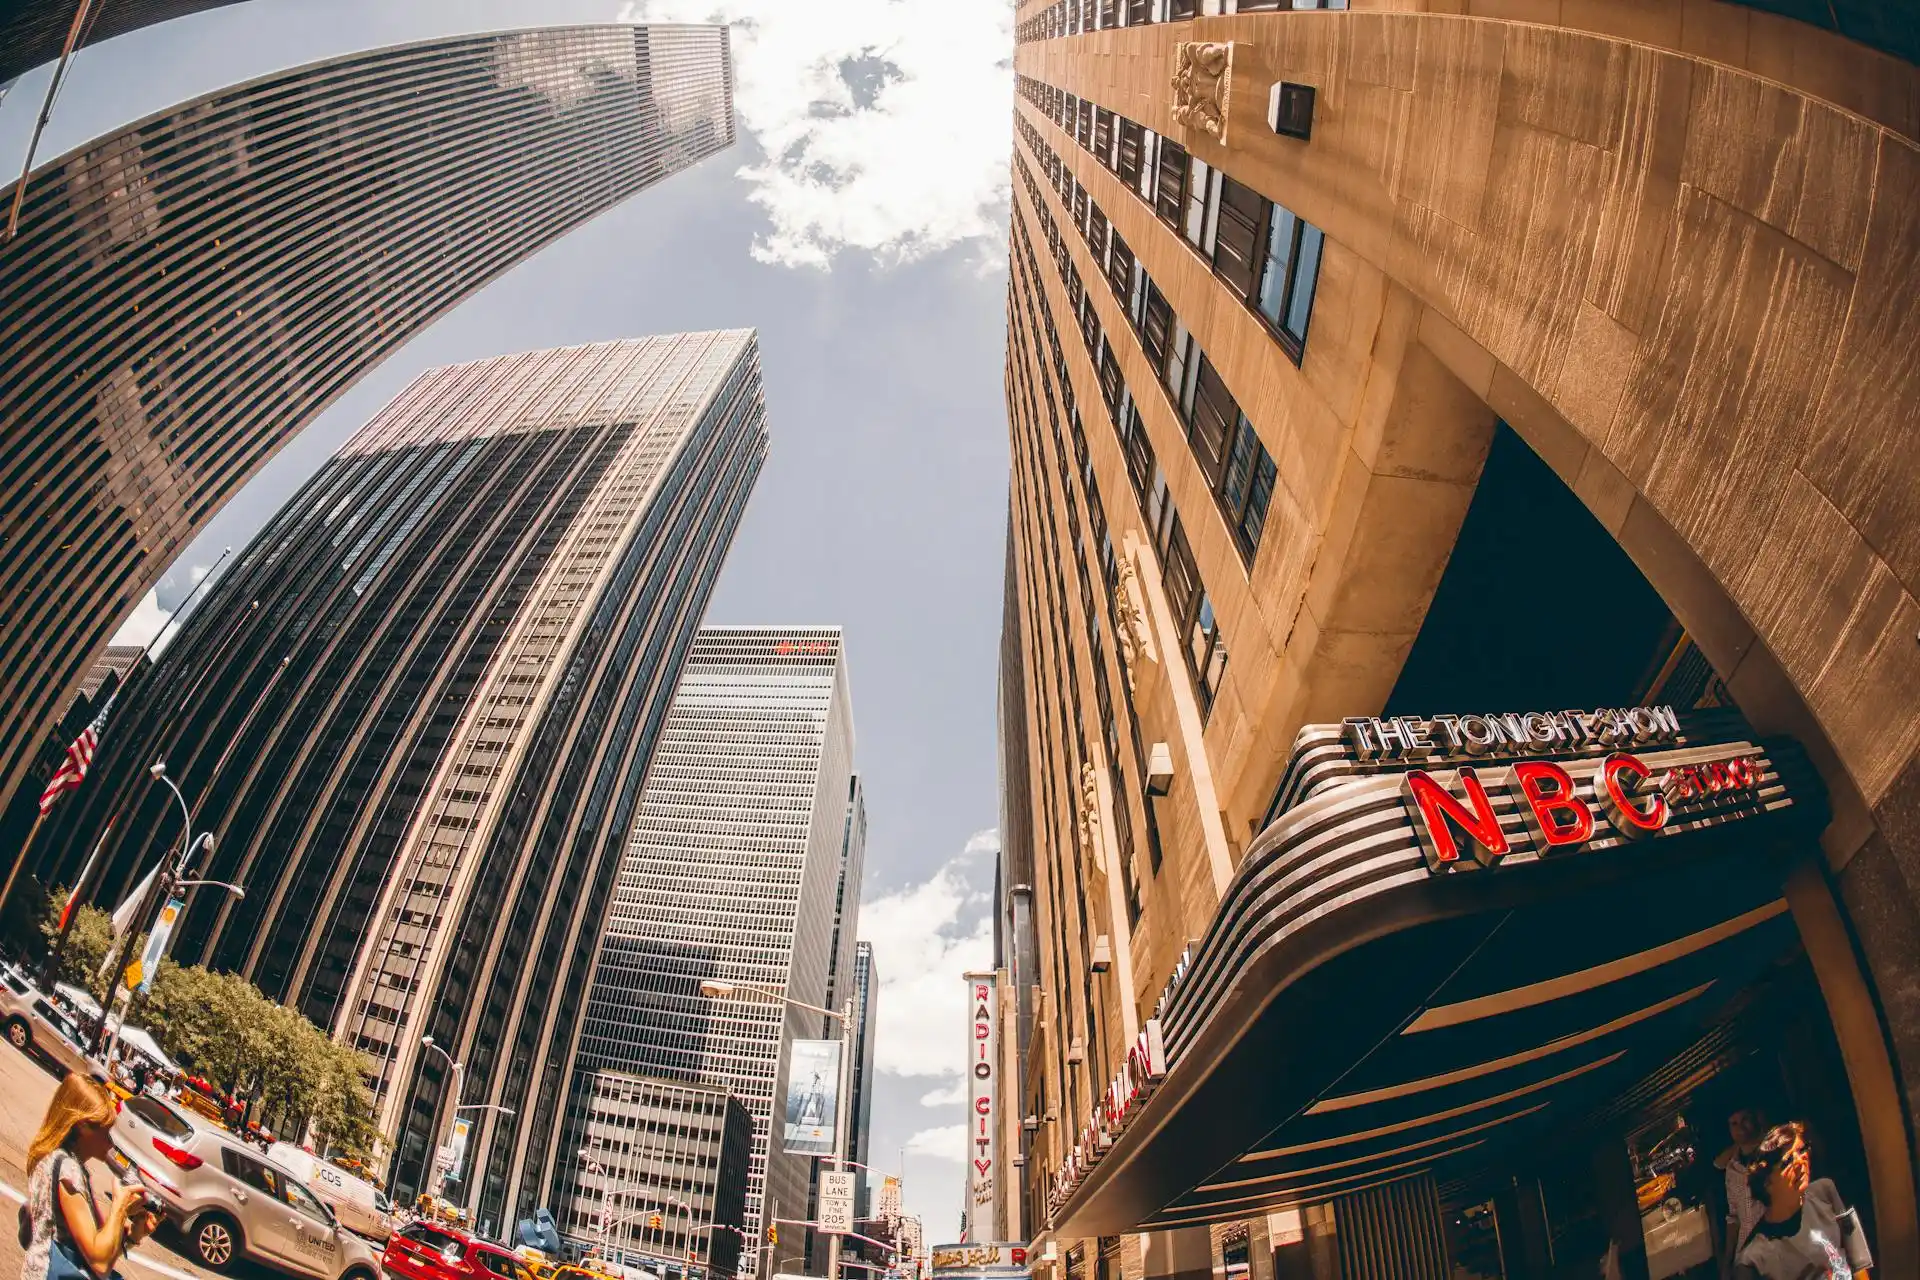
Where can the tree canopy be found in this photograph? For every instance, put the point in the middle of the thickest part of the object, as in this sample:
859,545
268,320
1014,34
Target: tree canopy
226,1029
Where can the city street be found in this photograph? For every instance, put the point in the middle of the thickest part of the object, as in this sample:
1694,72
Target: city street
28,1086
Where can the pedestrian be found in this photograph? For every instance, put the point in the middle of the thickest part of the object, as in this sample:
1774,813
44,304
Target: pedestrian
1805,1231
69,1237
1746,1126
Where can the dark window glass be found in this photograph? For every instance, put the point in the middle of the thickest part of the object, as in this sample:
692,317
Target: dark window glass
1119,268
1306,274
1103,135
1289,271
1141,464
1110,384
1170,196
1214,413
1237,236
1283,234
160,1116
1156,325
1132,143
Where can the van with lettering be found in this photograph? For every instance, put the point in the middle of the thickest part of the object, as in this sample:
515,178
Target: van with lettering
361,1207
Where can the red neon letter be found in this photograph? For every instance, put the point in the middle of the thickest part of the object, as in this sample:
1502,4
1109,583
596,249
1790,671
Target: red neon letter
1434,807
1617,772
1554,814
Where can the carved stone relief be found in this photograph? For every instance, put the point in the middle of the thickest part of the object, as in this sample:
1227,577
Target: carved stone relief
1202,74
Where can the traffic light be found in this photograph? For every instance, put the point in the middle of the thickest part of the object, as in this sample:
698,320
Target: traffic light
653,1222
773,1233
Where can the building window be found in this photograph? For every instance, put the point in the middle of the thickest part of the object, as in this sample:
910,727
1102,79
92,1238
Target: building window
1170,190
1248,489
1236,243
1202,643
1288,273
1132,144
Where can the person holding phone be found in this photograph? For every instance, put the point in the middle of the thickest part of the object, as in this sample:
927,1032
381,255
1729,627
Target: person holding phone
70,1236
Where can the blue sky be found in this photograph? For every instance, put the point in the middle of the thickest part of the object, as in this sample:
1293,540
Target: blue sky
860,227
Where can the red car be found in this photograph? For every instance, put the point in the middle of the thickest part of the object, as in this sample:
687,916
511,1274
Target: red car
425,1251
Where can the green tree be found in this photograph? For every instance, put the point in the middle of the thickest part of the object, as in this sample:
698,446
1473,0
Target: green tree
224,1028
88,940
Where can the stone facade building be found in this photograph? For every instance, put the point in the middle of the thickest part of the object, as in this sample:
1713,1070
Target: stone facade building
1417,359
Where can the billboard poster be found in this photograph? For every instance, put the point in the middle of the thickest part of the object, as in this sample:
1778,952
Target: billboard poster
983,1105
813,1094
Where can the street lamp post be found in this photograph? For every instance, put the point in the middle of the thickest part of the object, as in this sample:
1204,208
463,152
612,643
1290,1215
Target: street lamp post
459,1078
164,883
606,1178
714,990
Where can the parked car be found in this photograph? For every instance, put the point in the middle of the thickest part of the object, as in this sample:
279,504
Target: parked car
428,1251
37,1029
360,1206
230,1202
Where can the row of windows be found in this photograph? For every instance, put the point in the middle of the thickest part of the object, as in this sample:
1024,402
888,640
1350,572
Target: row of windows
1237,466
1266,253
1072,17
1204,646
1079,463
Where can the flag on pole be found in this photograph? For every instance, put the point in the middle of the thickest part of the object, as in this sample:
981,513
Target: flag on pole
79,885
73,770
124,914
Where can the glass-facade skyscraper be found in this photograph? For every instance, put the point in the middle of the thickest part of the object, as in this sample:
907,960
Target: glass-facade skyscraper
866,1024
184,295
418,714
732,873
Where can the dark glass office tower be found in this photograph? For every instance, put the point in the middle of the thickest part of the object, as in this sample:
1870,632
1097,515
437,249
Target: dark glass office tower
866,1024
186,294
732,873
33,31
418,713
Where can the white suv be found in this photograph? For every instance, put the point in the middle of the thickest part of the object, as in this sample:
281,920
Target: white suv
229,1201
39,1030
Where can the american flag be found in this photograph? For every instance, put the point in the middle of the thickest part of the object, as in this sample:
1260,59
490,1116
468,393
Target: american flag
73,770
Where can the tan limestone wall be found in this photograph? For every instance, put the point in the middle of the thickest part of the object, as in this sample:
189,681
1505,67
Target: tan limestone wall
1706,274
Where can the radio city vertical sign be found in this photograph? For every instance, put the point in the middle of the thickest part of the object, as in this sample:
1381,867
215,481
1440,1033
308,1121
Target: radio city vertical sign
983,1105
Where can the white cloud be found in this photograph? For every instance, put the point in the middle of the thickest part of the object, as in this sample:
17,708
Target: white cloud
148,618
947,1096
924,937
884,122
143,624
948,1142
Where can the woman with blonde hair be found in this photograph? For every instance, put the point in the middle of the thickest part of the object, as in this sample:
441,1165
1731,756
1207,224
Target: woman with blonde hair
71,1238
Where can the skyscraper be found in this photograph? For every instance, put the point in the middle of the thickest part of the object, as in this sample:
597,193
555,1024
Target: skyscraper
33,31
846,898
866,1026
419,709
185,295
731,874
